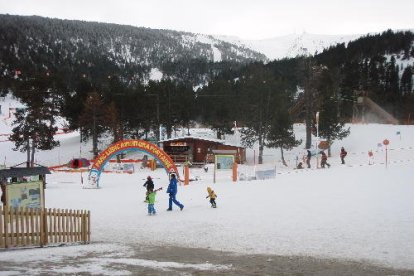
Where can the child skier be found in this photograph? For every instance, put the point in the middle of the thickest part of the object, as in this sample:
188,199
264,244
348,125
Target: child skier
324,160
149,184
151,201
212,195
342,154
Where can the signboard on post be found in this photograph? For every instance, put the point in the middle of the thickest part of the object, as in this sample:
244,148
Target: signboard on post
223,162
27,194
386,142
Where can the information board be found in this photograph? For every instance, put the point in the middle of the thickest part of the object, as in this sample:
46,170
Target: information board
26,194
224,162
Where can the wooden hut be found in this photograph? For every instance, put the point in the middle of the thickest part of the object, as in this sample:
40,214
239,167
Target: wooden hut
200,150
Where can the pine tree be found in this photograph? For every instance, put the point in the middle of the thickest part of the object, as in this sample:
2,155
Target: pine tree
113,122
92,120
265,97
331,126
281,133
35,126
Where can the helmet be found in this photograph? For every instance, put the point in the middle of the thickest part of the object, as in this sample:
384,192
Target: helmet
149,177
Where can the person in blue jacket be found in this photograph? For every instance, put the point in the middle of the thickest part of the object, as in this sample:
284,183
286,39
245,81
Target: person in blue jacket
172,191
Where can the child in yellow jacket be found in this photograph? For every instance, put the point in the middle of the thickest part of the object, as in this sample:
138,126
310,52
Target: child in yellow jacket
212,195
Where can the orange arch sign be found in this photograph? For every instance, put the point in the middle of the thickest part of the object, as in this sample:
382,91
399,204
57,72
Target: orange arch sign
126,145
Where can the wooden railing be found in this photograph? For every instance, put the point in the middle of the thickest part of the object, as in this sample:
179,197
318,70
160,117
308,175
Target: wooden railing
26,227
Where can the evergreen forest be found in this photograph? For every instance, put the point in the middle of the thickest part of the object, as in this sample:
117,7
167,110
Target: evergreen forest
97,77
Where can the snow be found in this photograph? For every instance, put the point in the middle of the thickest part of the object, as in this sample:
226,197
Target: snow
156,74
291,45
189,40
216,54
355,211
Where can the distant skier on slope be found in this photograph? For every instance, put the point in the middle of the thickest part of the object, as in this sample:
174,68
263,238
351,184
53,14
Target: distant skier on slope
324,160
308,158
342,154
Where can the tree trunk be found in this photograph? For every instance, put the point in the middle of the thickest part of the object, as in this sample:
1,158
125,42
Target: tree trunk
28,154
261,147
308,134
218,134
94,137
168,128
283,157
329,146
33,154
260,154
95,145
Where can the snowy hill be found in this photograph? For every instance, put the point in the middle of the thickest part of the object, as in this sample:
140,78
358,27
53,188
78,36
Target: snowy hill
292,45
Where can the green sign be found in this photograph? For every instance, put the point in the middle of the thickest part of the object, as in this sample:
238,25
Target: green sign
25,194
224,162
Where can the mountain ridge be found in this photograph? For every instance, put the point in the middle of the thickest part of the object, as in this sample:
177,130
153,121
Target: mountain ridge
38,43
292,45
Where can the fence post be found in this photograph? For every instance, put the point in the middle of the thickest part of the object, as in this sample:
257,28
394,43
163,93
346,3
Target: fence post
43,227
6,226
234,172
88,229
2,237
83,226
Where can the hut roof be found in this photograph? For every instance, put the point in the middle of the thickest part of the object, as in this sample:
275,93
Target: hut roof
218,141
20,172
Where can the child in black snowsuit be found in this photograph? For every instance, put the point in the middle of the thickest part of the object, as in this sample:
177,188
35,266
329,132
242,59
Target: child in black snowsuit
149,184
308,158
342,155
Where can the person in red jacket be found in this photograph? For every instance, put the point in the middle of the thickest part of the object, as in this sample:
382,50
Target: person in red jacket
342,154
324,160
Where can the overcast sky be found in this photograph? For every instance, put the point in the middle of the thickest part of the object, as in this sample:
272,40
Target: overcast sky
248,19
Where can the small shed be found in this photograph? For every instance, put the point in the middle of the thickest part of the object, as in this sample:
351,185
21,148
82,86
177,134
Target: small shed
200,150
23,187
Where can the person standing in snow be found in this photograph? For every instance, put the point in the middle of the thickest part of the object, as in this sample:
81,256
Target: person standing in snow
212,195
151,202
149,184
172,191
324,160
308,158
342,154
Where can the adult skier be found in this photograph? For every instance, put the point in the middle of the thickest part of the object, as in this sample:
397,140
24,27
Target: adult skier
172,191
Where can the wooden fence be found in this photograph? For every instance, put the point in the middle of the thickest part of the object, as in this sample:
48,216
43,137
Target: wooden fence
26,227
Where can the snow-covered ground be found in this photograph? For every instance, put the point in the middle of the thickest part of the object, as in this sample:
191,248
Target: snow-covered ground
354,211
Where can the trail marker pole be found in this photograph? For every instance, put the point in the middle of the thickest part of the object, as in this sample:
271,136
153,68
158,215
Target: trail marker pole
386,142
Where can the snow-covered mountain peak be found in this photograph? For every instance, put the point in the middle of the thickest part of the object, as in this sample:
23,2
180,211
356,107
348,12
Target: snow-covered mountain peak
291,45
